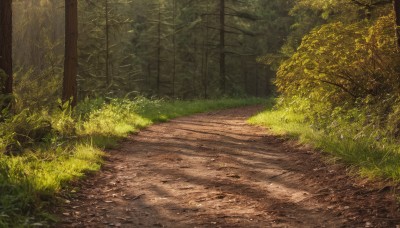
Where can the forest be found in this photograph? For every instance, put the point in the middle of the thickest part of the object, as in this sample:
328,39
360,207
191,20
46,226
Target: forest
184,113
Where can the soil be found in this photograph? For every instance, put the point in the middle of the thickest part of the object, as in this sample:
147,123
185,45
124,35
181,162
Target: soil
215,170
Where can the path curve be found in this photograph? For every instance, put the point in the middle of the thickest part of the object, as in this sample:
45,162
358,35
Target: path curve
214,170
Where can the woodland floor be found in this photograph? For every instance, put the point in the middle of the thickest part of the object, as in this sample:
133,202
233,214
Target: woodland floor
214,170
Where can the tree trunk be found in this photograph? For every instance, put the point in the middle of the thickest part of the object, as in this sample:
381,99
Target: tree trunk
396,7
204,66
71,52
256,81
6,49
159,50
108,77
245,72
222,47
268,76
174,46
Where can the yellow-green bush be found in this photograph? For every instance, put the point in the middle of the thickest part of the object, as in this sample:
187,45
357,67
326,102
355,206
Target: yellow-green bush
344,71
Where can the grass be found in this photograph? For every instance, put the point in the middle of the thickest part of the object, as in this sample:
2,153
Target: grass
370,158
49,150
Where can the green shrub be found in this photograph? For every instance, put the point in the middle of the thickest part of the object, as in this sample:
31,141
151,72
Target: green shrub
339,67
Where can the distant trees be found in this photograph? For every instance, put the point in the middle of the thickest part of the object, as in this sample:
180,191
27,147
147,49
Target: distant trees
203,46
6,77
107,64
167,48
69,92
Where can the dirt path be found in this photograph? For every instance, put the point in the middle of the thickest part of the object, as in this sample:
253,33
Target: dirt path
214,170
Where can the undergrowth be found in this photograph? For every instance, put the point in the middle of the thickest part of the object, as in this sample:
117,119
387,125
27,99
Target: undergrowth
41,152
366,148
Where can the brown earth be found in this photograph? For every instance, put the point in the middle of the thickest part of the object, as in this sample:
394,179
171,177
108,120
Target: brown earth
214,170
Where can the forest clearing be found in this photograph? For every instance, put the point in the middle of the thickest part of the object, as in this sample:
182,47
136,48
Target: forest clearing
199,113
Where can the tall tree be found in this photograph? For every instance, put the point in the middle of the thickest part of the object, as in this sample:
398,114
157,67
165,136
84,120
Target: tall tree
107,32
6,48
205,54
159,49
71,52
396,6
173,45
222,46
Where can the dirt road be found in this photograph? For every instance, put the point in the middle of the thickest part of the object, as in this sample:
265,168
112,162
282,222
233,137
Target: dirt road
214,170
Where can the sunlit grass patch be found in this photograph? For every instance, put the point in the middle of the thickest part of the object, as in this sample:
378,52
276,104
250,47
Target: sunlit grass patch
370,158
25,181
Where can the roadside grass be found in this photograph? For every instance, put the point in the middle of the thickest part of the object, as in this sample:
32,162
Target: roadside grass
368,157
40,153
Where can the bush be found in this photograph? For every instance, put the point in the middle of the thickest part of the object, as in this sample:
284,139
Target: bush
348,73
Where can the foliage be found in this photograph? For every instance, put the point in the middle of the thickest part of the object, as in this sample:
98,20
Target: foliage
340,92
339,67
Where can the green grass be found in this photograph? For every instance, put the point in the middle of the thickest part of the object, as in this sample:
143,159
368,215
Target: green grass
370,158
53,149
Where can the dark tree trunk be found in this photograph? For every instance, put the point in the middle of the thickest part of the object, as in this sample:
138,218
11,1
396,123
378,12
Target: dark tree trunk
256,81
204,66
159,50
268,75
174,46
6,48
71,52
222,71
396,7
108,76
245,77
148,80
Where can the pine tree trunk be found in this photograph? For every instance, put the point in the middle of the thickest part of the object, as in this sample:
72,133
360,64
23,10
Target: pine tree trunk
222,47
256,81
204,61
108,77
174,46
159,50
396,7
71,52
6,48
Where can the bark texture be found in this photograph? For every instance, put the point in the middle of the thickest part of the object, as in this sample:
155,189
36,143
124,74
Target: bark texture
71,52
222,47
396,7
6,45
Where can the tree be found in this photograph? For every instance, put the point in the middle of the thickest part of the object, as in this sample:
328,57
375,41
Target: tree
159,49
107,64
222,46
173,45
107,33
6,50
396,7
202,44
71,52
